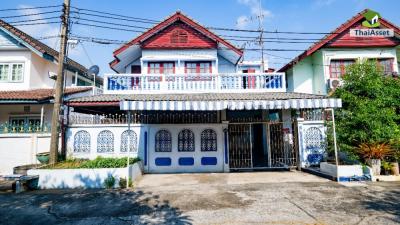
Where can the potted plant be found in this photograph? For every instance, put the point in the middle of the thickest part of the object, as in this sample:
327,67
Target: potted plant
386,166
43,157
395,159
373,153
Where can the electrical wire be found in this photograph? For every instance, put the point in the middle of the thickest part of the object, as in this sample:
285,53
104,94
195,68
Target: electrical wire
28,8
24,21
30,14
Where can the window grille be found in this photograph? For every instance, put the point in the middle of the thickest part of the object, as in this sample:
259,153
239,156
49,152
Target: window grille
208,140
105,142
186,141
82,142
163,141
128,140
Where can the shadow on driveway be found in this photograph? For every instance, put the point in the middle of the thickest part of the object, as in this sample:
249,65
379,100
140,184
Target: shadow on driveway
88,207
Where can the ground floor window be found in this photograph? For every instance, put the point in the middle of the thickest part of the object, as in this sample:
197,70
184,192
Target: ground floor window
186,141
163,141
82,142
105,142
208,140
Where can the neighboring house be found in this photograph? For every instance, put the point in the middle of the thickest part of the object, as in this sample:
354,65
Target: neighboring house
28,69
319,69
194,108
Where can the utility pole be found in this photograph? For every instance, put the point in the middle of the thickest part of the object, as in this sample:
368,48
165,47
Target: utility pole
59,89
261,29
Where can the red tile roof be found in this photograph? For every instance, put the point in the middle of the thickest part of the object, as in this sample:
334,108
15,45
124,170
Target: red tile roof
338,31
178,16
37,94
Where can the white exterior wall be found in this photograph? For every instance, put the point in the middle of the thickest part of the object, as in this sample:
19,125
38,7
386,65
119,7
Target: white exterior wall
219,64
21,149
17,56
149,159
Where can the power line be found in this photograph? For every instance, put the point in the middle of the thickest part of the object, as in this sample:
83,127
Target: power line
110,23
32,24
123,17
28,8
30,14
113,14
24,21
111,17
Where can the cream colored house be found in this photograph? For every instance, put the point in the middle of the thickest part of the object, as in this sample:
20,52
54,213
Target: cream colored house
28,69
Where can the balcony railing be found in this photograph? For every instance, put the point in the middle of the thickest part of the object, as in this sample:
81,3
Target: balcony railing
12,128
186,83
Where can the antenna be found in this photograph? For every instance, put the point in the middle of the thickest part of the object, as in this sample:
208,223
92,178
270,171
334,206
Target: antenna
94,70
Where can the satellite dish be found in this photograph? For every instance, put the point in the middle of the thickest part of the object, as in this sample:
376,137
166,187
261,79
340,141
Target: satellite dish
94,70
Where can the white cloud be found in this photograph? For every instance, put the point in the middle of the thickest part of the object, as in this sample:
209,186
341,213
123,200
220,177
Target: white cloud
242,22
322,3
255,10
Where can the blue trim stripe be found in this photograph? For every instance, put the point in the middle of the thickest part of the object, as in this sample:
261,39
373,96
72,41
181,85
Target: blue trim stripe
162,161
226,147
145,148
209,161
186,161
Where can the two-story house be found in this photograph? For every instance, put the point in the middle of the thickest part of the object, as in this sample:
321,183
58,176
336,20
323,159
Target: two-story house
28,69
183,101
320,67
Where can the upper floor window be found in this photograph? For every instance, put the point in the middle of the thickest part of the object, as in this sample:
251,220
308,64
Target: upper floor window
386,65
161,68
338,67
11,72
179,36
198,67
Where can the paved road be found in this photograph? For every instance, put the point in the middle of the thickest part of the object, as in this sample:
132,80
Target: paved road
237,198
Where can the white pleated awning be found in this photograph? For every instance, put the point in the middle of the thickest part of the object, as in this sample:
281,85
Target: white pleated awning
230,104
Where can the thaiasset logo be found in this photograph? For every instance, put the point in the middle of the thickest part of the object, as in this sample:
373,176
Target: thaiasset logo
373,25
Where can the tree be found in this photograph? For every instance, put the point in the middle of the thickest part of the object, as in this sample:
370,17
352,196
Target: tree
371,107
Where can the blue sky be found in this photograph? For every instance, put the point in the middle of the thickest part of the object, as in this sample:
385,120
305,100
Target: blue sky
288,15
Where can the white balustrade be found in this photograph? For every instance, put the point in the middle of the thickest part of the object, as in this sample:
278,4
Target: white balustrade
193,83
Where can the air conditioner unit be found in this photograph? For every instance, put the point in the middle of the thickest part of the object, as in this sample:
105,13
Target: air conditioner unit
334,83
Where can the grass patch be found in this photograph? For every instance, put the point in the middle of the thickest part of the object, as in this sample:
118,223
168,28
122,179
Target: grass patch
99,162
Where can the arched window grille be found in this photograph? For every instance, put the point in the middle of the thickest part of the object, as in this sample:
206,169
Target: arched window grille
163,141
313,138
128,140
82,142
208,140
105,141
186,141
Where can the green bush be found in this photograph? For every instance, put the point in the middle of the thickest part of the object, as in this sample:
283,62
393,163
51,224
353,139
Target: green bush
122,182
109,182
99,162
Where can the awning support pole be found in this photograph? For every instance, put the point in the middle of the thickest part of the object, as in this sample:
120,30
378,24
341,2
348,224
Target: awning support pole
334,139
129,146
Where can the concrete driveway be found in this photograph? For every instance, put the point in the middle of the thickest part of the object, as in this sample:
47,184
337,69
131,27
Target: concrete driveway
236,198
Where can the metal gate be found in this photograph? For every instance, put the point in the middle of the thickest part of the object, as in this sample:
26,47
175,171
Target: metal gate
281,148
240,146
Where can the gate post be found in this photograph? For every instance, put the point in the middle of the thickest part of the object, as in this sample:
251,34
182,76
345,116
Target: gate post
300,142
226,147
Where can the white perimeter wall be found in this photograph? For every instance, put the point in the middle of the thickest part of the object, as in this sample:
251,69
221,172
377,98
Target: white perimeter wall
21,149
151,130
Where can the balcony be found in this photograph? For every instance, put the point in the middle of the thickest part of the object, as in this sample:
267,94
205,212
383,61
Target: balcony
193,83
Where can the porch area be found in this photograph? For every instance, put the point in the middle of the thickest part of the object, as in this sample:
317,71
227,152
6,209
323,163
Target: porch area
218,132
